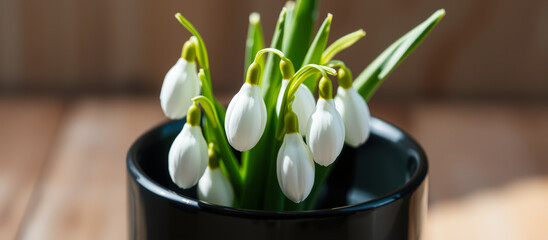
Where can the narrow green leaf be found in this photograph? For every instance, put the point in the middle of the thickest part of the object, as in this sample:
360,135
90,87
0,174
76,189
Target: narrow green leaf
314,54
202,52
372,76
203,60
298,35
254,42
341,44
288,24
270,83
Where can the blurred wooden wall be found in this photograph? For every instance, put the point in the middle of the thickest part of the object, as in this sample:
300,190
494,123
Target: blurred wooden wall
482,49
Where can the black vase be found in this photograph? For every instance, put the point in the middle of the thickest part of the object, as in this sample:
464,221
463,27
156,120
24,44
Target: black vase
376,191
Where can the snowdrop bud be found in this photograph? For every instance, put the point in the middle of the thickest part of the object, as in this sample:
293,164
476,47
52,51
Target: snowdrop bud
353,110
188,155
303,105
325,133
295,164
214,187
245,118
181,83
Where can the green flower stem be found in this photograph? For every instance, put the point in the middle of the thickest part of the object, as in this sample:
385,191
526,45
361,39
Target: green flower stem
293,86
314,53
335,63
341,44
271,50
229,160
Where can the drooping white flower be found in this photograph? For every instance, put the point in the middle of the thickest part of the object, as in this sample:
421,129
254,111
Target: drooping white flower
295,168
245,118
355,115
188,155
181,84
325,133
303,105
214,187
353,109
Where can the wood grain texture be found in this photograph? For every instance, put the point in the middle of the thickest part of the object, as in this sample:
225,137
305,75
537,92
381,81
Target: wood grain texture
481,48
27,128
82,194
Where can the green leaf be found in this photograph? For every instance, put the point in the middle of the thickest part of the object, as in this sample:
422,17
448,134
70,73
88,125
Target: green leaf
314,54
298,35
341,44
372,76
270,84
202,52
254,42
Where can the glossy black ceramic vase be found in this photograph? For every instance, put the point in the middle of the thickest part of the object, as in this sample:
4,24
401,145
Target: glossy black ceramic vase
376,191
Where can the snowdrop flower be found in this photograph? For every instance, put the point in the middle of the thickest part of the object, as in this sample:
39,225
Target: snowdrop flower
295,164
353,110
325,133
303,105
188,154
245,118
181,83
214,187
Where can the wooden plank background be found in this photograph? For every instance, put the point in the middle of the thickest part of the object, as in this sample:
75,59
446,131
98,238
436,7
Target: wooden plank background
481,49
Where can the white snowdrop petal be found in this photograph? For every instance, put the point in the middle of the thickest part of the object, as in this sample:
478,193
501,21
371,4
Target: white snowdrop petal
355,115
325,133
295,168
245,118
180,85
188,157
303,105
214,187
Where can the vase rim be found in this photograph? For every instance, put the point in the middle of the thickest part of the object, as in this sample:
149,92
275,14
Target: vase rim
378,127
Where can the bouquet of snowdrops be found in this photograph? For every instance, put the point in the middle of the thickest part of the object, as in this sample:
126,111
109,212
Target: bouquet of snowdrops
288,140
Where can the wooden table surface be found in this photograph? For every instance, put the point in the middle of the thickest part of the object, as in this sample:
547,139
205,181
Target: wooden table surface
62,165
